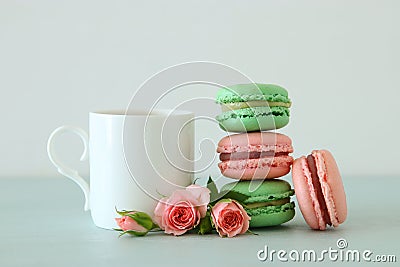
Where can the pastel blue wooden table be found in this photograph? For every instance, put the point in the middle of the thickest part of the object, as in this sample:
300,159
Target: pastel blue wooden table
43,224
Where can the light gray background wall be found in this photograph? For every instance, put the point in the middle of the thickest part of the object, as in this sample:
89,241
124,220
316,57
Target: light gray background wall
340,61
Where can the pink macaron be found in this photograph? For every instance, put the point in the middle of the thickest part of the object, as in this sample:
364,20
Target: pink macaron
319,190
256,155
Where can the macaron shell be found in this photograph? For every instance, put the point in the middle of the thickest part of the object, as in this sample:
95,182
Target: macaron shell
256,168
254,119
256,141
252,124
302,189
251,92
334,180
258,174
262,217
251,192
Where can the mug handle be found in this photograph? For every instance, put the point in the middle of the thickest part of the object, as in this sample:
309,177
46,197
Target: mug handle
62,168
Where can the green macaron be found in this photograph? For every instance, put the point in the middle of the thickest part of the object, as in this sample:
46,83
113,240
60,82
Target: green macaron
267,203
253,107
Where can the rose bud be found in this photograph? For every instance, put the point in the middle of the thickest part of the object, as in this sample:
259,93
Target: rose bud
134,223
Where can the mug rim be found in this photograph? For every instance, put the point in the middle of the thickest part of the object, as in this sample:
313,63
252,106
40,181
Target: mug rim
142,112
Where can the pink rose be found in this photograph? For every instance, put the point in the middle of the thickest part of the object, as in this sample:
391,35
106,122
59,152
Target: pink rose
128,224
183,210
230,218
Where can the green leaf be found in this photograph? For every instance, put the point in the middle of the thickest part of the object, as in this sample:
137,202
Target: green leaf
124,212
155,226
195,180
213,188
235,195
251,232
142,219
205,226
225,200
133,233
209,213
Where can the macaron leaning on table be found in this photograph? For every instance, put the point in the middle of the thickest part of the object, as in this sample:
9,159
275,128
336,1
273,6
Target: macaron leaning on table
253,107
256,155
268,203
319,190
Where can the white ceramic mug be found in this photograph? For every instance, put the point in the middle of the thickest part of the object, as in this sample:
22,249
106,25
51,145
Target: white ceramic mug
134,160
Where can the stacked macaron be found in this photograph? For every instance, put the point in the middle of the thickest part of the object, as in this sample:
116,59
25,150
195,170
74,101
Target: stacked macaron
251,110
256,157
253,107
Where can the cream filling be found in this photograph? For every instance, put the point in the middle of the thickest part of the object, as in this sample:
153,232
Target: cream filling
268,203
258,103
